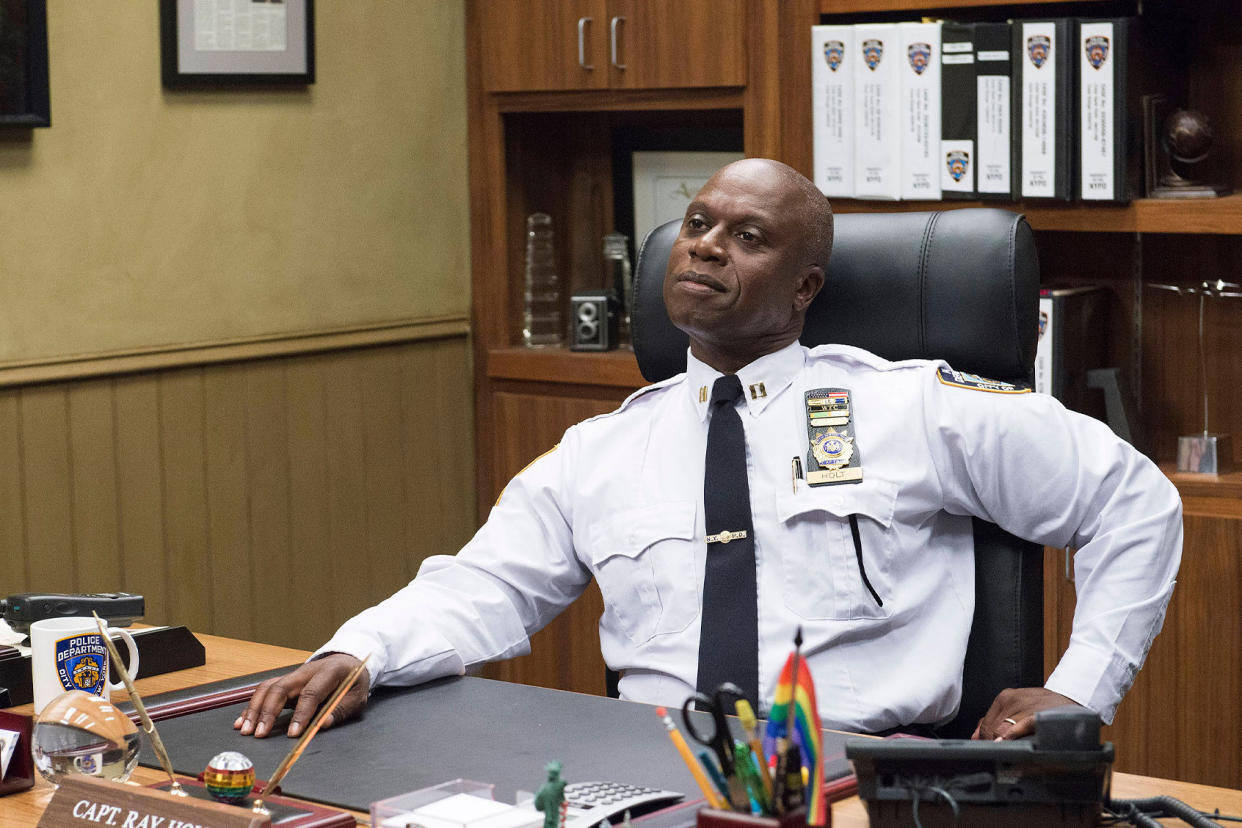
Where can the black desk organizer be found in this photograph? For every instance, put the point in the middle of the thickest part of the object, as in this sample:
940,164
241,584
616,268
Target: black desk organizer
21,769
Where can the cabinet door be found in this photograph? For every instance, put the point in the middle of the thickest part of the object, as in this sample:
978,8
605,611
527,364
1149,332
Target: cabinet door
1182,718
683,44
528,46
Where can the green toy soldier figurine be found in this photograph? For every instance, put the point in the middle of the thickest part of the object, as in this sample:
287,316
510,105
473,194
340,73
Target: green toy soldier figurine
550,798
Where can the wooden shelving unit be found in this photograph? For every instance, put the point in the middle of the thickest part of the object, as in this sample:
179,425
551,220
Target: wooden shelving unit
1219,216
614,369
542,133
877,6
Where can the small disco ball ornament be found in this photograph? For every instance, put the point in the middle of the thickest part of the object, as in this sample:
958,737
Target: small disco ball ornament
77,733
229,777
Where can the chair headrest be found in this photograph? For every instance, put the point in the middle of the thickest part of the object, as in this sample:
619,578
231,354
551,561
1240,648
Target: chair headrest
959,285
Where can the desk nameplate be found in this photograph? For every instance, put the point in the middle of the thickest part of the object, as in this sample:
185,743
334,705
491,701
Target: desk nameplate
87,801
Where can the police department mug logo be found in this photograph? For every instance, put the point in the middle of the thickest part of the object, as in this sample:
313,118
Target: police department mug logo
82,663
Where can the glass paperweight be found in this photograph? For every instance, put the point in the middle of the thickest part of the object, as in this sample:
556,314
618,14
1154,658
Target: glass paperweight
81,733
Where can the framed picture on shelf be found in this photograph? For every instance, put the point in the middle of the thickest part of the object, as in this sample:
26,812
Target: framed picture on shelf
666,182
237,42
24,100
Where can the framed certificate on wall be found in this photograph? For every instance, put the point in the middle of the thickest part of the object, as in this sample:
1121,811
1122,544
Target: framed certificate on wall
237,42
666,182
24,99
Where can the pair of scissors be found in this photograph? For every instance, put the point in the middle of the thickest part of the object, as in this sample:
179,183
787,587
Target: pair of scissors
719,738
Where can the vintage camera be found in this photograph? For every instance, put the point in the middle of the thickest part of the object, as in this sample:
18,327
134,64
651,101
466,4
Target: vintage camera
594,319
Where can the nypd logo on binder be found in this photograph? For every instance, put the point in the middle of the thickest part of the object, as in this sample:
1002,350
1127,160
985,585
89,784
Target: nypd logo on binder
958,164
919,55
1097,50
873,52
834,53
1038,47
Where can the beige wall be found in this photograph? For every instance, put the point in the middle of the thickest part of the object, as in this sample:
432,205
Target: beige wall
146,218
234,367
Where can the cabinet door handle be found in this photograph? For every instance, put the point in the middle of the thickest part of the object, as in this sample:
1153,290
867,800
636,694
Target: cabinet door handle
613,26
582,24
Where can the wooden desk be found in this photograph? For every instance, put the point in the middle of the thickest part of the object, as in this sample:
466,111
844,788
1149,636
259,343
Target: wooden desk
227,658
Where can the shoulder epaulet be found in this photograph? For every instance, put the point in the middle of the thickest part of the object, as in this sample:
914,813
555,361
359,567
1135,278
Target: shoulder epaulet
962,379
860,357
642,392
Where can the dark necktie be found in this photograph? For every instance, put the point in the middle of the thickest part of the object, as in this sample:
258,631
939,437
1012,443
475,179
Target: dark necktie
729,635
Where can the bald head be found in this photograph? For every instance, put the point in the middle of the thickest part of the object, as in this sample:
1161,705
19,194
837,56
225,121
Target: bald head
813,211
748,261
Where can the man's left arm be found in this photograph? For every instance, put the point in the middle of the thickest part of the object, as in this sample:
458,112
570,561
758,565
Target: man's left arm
1062,479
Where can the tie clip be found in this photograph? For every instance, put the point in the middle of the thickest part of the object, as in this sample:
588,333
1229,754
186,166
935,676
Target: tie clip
726,536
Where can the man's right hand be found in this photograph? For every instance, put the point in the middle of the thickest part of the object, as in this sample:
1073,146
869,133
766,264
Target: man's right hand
305,689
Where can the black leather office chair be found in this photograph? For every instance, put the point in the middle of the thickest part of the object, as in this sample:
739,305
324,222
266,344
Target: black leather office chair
961,285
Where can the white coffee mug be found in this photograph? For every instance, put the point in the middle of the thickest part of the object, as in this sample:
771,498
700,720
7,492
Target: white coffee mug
69,654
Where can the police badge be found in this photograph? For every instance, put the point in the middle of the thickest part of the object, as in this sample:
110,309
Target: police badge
1038,47
919,55
873,52
832,457
1097,50
958,164
834,53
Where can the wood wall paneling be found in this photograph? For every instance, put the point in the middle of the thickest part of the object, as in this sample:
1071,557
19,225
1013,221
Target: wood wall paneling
268,499
267,404
226,469
187,539
96,522
47,488
141,495
13,565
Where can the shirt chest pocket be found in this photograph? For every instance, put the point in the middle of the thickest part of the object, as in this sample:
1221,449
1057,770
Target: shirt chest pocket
644,560
838,563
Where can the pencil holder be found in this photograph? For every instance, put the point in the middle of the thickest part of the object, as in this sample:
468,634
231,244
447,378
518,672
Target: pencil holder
712,818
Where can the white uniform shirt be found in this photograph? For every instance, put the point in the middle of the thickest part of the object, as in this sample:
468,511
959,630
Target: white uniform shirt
621,500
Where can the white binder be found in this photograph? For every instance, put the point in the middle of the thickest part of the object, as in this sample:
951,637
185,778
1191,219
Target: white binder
877,91
832,107
920,111
1041,48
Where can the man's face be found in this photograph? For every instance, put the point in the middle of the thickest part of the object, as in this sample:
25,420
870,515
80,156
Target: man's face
739,275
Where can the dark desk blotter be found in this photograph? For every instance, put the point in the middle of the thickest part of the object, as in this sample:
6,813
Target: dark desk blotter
474,728
160,650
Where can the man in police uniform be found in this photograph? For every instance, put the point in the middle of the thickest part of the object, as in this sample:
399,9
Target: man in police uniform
875,565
